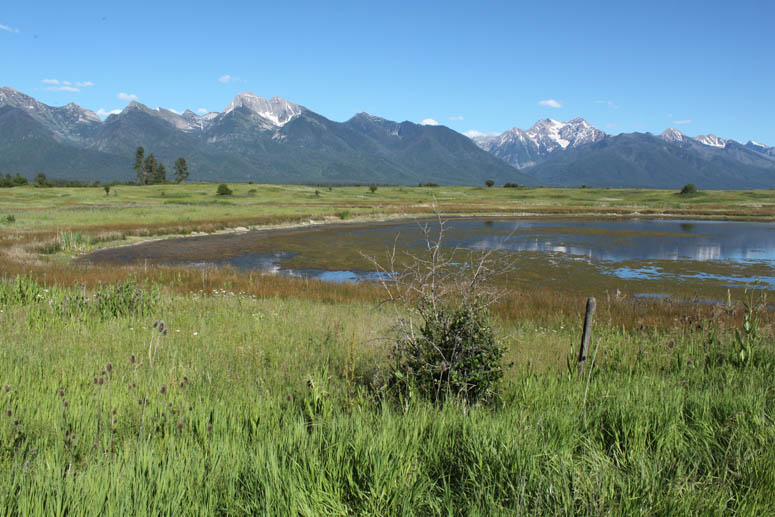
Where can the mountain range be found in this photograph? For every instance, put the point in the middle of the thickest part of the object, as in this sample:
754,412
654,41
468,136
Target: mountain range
277,141
574,153
263,140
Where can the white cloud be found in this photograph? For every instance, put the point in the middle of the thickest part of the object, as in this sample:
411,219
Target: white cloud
609,126
102,113
172,110
65,86
6,28
429,122
550,103
226,78
472,133
682,122
202,111
127,96
459,117
610,104
63,89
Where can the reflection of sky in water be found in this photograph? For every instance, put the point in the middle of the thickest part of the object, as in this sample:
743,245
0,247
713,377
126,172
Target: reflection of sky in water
653,273
271,263
695,240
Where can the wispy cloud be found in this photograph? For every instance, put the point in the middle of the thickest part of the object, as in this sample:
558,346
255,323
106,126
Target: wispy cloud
550,103
682,122
202,111
609,103
227,78
103,113
55,85
473,133
127,96
429,122
459,117
63,88
6,28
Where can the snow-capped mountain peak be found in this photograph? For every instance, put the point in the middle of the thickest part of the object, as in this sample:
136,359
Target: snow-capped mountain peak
277,110
671,134
523,148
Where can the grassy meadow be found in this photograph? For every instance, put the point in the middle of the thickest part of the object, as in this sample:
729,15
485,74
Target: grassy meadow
261,396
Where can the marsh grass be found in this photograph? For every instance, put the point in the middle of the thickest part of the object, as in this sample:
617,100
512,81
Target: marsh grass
261,406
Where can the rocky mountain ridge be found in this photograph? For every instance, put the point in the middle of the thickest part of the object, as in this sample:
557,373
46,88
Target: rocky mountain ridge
263,140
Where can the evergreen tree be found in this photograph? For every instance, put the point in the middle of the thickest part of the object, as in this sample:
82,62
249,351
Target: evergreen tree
139,168
160,173
149,169
181,170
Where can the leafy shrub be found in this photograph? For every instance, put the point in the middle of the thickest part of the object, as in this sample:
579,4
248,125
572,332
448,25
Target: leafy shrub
689,189
223,190
454,355
10,219
445,347
427,184
372,188
489,183
511,185
344,214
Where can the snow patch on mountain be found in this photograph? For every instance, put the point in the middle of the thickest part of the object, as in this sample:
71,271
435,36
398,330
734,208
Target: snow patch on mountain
277,110
711,140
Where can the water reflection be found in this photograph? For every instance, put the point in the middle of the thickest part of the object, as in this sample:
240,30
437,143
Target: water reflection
717,252
630,240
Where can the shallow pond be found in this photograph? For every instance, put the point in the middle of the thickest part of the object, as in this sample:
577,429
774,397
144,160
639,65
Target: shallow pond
642,256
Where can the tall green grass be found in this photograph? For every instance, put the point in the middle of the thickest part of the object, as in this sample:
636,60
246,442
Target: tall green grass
266,410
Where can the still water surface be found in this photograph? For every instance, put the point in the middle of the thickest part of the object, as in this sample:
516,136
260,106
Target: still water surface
657,255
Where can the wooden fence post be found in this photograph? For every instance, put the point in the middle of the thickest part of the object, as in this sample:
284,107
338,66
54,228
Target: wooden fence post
591,304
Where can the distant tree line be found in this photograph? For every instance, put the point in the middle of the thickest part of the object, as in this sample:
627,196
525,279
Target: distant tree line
12,181
151,171
41,180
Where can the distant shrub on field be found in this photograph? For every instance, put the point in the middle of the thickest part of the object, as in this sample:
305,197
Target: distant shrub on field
223,190
689,189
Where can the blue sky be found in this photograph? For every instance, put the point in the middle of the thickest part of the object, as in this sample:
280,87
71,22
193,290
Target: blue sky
704,67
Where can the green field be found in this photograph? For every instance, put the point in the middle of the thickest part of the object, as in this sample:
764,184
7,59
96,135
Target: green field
192,204
262,399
